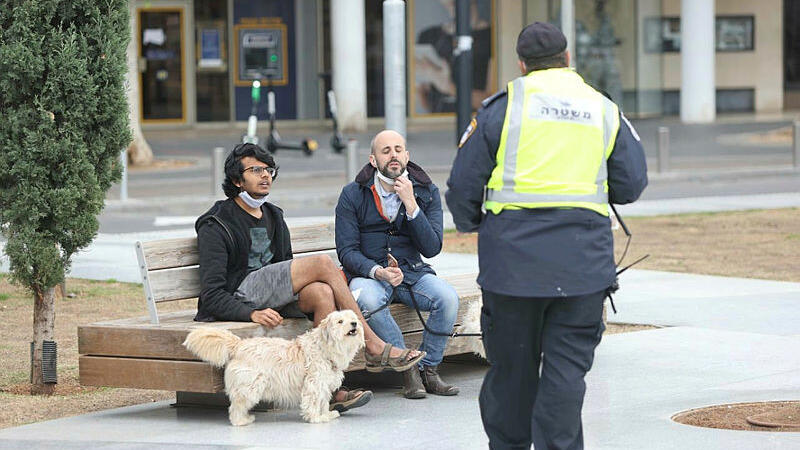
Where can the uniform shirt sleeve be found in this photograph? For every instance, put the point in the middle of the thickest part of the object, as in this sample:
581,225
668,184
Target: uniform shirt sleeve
627,168
473,166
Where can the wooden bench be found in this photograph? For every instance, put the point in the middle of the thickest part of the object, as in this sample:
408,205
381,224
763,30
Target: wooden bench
146,352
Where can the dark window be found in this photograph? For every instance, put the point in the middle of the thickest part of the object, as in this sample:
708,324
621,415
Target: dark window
211,60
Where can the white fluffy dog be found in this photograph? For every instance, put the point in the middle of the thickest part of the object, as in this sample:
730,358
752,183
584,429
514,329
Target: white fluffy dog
301,372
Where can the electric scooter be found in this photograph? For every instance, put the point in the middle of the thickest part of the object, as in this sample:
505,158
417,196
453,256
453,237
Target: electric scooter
273,141
252,121
337,140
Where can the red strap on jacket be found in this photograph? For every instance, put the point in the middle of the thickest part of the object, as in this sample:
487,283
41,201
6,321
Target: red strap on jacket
378,204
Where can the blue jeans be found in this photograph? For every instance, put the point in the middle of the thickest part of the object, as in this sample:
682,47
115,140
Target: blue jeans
431,293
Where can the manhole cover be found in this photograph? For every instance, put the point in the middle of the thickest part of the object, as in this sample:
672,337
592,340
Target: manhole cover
760,416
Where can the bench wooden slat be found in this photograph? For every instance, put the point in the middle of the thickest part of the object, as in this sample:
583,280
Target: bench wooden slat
190,376
140,339
162,374
158,342
179,283
174,284
168,253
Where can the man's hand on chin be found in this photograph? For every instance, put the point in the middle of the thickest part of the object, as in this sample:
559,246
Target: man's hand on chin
405,190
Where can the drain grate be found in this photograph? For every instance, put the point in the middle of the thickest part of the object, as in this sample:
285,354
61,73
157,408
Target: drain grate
758,416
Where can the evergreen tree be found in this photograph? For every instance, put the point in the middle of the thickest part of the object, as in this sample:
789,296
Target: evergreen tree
63,124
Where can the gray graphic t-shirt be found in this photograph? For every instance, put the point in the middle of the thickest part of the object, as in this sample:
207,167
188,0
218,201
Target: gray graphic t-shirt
260,253
262,233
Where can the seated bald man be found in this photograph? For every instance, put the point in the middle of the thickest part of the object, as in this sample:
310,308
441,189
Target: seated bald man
385,220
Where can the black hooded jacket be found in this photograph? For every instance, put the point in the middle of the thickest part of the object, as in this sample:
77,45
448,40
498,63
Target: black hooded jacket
223,249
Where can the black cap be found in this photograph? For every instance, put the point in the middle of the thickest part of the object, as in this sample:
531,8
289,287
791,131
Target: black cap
538,40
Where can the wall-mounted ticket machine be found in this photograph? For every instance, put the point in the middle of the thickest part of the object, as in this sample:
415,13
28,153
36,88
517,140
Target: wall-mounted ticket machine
262,54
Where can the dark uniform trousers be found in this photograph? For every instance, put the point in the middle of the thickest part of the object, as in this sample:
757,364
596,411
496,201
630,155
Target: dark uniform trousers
518,406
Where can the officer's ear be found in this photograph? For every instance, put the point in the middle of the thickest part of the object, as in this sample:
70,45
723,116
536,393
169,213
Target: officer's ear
372,161
521,66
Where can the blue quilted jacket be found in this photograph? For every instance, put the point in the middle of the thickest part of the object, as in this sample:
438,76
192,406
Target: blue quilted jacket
364,237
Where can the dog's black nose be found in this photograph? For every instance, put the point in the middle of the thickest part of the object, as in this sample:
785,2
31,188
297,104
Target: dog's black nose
353,324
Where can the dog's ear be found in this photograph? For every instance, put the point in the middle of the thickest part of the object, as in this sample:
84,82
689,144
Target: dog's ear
325,327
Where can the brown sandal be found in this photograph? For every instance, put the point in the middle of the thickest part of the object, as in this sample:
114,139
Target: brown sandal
379,363
353,399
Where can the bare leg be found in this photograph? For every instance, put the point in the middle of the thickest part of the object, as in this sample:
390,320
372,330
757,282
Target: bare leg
317,298
320,268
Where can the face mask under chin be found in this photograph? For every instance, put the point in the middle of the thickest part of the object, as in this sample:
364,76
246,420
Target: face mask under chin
252,202
388,180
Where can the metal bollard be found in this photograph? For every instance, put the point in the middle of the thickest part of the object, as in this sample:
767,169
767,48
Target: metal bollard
217,171
663,149
394,64
796,145
351,160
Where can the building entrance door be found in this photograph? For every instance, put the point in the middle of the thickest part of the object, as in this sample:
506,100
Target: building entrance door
161,64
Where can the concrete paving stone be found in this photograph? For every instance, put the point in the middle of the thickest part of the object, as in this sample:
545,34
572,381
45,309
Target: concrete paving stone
710,204
727,303
640,380
770,314
660,285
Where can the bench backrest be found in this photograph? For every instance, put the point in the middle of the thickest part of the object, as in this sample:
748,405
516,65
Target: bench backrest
170,271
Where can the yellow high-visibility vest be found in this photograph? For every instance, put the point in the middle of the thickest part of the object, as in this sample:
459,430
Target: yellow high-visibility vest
557,136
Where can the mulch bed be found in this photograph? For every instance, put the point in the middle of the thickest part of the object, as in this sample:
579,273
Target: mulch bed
735,416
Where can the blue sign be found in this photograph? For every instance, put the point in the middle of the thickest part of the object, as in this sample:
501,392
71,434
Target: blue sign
210,49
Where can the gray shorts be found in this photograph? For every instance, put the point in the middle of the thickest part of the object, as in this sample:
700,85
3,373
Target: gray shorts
270,287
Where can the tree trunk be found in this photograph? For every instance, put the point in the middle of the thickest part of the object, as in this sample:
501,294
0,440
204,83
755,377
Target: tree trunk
44,316
139,151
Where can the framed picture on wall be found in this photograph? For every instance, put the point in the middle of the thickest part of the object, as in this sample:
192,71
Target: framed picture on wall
734,33
432,39
662,34
211,46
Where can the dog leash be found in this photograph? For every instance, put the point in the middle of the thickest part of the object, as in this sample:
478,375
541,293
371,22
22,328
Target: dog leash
368,314
425,325
454,333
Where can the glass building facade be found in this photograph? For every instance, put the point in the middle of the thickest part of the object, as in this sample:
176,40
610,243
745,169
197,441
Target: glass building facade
197,58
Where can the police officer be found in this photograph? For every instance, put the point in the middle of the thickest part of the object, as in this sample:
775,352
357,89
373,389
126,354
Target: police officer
552,152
